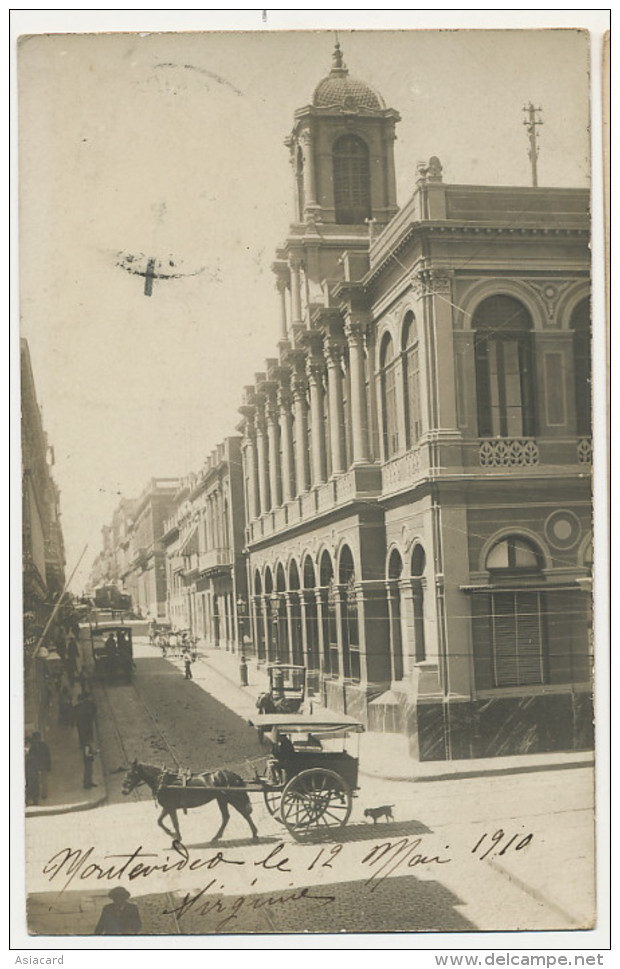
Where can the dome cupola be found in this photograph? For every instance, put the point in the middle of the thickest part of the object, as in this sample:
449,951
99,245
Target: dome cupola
339,90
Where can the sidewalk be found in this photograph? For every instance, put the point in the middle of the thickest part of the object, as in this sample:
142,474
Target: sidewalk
382,755
64,782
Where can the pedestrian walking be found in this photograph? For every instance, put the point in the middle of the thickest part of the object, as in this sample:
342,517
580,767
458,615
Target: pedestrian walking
188,666
84,715
88,755
41,762
122,917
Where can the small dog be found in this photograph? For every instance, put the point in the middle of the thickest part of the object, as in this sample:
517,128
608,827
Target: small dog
385,811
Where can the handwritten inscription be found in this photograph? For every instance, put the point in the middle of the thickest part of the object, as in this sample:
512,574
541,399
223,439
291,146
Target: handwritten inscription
282,861
230,907
483,848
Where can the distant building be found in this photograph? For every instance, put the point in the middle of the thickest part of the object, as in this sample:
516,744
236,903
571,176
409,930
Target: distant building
203,539
43,552
416,458
142,567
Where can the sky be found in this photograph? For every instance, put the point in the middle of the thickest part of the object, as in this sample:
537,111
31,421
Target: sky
171,145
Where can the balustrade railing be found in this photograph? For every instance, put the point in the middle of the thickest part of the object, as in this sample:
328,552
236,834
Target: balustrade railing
505,452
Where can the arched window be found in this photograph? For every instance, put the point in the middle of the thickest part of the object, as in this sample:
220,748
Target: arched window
350,623
418,566
351,180
517,616
388,398
582,357
281,618
504,370
258,616
411,380
330,616
296,636
312,630
395,569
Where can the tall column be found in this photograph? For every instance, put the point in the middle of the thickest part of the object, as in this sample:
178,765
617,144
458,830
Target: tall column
314,369
336,407
359,415
301,433
273,438
263,465
295,266
281,287
251,471
286,436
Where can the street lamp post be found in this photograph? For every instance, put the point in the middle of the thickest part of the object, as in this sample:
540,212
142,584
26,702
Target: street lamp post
243,664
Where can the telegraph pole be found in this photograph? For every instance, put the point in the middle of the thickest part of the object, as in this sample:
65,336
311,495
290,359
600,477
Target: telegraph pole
531,122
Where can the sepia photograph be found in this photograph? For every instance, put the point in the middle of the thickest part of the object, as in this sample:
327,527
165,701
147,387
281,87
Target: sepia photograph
305,342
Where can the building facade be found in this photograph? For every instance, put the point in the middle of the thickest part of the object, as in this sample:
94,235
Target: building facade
416,457
203,539
43,552
140,552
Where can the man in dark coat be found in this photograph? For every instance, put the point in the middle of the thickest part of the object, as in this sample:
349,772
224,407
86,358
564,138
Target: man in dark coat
84,715
41,761
121,917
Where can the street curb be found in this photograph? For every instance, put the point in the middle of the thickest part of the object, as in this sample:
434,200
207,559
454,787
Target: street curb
481,772
39,810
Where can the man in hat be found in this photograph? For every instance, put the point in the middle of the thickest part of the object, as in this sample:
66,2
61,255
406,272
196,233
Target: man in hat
121,917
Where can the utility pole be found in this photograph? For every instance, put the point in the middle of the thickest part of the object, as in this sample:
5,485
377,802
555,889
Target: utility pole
531,122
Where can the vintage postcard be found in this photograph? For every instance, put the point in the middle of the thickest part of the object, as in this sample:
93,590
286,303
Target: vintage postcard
306,426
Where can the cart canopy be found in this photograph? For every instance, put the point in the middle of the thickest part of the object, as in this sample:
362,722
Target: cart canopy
323,723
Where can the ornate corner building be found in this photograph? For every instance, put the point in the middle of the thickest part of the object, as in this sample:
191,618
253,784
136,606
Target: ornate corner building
416,458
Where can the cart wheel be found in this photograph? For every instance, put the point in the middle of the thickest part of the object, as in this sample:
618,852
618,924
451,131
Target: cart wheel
315,800
273,799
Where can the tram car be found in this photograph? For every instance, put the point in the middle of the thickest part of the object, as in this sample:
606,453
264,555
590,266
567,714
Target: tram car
112,652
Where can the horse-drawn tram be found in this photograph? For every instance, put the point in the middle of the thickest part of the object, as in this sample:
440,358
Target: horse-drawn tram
112,651
308,785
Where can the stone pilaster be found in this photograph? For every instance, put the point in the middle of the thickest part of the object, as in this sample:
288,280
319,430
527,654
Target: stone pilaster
354,331
315,371
263,462
273,445
295,267
336,405
299,389
286,437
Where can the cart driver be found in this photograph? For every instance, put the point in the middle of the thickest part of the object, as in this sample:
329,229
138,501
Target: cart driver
282,750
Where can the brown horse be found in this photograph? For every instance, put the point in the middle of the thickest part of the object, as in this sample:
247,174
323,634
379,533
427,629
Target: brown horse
173,791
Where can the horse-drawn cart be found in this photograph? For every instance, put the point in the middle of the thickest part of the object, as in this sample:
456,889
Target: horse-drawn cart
308,785
311,777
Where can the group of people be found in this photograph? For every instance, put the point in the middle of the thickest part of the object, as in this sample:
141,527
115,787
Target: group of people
178,642
70,704
119,654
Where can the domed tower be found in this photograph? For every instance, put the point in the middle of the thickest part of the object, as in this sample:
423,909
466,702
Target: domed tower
342,153
342,158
